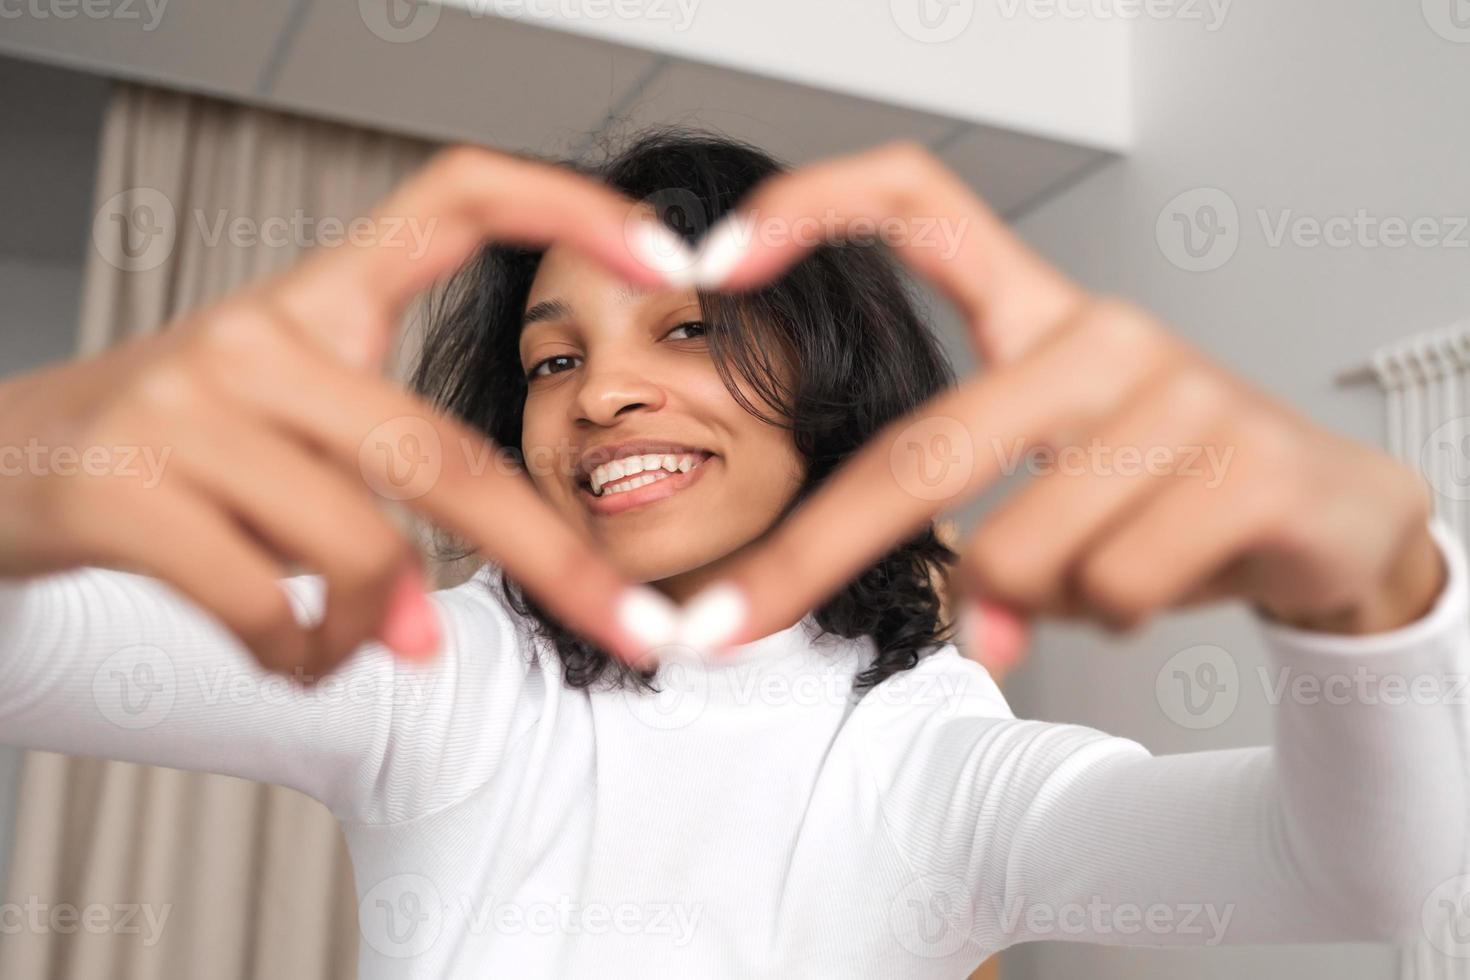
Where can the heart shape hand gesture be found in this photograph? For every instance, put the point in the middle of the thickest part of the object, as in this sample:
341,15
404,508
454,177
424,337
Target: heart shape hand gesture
1185,482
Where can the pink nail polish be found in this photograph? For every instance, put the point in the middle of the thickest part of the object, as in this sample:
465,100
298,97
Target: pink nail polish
995,635
411,628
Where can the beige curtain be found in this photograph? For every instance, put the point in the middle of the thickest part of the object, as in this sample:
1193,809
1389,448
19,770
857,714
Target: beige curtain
194,197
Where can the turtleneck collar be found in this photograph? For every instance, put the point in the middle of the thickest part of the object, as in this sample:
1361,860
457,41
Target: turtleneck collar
791,659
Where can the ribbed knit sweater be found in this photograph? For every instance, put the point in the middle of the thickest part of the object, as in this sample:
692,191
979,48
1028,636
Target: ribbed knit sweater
754,818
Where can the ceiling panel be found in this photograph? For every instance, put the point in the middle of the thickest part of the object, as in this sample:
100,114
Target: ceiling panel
1014,171
450,73
200,44
794,122
460,76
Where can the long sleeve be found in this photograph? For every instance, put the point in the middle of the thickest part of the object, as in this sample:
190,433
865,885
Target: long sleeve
1345,829
106,663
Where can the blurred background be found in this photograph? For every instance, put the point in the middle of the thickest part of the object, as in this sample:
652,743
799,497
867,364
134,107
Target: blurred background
1283,182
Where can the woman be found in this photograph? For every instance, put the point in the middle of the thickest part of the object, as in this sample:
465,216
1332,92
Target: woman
797,774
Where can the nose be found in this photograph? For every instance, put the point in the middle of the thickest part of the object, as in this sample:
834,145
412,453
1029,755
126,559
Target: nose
611,391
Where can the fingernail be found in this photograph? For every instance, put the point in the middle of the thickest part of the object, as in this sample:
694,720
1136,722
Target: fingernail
995,635
662,250
721,251
648,616
411,628
712,618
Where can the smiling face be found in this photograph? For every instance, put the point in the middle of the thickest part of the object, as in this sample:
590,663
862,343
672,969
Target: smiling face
630,432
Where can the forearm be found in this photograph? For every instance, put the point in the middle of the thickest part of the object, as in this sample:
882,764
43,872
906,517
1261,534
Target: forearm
1341,831
1373,762
105,663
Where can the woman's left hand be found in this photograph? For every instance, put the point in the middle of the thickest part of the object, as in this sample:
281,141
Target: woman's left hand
1163,480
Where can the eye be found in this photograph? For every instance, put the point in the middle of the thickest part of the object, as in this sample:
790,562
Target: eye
697,325
554,365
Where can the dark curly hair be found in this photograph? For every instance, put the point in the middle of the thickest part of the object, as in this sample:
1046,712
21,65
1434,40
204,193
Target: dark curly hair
843,318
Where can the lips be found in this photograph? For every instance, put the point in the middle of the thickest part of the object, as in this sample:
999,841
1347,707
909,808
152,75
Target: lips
596,456
618,502
637,472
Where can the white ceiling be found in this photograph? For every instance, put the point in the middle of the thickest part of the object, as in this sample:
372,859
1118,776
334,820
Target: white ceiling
513,85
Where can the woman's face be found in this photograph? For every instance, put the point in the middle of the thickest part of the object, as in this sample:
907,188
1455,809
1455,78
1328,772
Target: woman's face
623,397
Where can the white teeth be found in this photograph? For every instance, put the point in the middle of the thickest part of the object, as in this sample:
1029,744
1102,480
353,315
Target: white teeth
631,472
634,482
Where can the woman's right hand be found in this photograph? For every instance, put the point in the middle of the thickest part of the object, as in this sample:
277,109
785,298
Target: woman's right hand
255,434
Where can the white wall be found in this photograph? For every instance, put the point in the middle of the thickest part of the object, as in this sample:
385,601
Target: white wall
1313,107
1032,65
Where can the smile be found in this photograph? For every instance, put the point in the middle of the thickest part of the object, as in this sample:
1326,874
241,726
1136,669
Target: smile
635,480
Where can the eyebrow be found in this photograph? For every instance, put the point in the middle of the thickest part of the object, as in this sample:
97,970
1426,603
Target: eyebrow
547,309
556,309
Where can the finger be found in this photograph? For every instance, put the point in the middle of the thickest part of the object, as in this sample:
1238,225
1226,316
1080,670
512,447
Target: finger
1009,296
995,635
1193,530
219,567
315,514
945,452
406,451
1022,554
349,298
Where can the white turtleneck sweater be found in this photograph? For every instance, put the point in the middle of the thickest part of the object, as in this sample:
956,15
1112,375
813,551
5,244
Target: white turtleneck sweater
753,820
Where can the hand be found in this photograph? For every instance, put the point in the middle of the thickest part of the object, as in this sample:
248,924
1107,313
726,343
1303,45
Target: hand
240,440
1173,481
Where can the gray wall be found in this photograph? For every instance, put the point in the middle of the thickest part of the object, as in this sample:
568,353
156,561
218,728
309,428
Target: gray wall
50,119
1319,108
